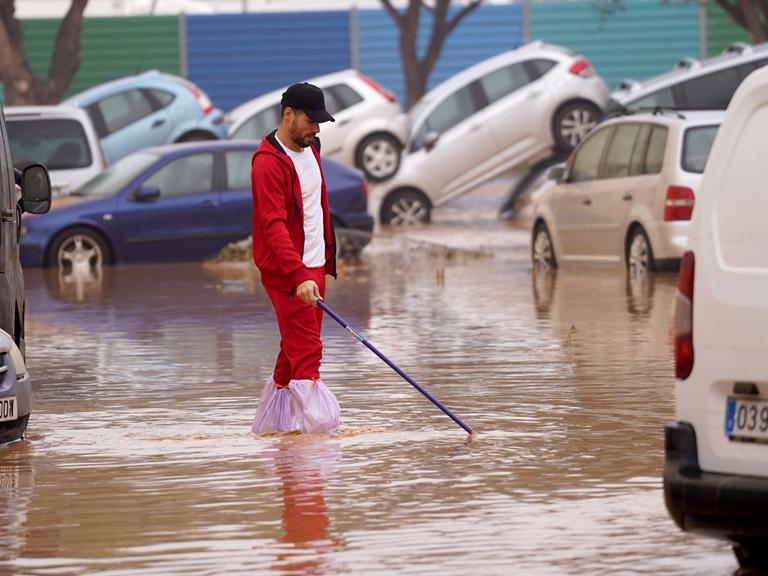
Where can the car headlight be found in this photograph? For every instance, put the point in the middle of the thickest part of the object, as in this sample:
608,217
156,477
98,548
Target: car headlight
18,362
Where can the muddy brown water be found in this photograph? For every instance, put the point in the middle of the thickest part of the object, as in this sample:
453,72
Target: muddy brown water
139,458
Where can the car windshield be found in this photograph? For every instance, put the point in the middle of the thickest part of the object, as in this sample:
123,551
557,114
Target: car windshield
416,112
697,143
58,143
117,176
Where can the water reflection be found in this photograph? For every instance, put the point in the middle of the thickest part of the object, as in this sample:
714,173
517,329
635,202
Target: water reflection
303,467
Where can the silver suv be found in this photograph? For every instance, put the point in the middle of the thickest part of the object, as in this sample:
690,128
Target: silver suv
692,84
626,193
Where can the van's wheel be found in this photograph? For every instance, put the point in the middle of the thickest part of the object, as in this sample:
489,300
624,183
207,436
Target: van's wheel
378,156
79,250
639,252
542,249
751,555
573,122
406,207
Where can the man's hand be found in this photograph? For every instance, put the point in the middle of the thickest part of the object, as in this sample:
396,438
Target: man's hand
308,292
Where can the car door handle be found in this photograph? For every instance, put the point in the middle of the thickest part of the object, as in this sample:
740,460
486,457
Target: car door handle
344,122
586,202
627,197
9,215
158,122
533,94
209,203
475,127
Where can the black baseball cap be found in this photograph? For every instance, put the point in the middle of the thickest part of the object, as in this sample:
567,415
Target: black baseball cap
309,98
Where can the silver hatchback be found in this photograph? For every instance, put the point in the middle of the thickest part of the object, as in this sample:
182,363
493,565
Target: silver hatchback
626,194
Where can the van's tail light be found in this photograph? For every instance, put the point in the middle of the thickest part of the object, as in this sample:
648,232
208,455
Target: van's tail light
202,99
582,68
378,87
684,317
679,203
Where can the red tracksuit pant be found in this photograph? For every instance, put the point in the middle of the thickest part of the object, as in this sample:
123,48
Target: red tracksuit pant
301,349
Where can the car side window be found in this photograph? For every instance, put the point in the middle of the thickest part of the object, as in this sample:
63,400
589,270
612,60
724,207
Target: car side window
537,68
343,97
238,169
500,83
712,90
663,98
454,109
637,162
160,98
586,162
259,124
120,110
657,144
184,176
619,156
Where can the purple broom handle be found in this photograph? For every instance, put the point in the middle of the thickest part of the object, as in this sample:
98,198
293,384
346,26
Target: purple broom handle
392,365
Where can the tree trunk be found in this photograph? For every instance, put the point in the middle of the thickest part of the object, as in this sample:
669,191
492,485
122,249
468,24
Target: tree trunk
22,86
417,70
752,15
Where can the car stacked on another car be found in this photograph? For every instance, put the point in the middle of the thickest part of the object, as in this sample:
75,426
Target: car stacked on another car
716,468
369,131
627,192
148,109
177,202
692,84
516,107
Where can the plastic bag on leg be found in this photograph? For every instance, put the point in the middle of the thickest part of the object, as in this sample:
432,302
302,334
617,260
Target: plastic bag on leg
276,410
315,406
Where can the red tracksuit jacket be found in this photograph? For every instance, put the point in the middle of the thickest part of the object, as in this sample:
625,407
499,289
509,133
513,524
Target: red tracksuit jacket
278,218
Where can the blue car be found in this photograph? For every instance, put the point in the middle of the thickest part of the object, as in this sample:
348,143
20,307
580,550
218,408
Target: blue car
174,203
146,110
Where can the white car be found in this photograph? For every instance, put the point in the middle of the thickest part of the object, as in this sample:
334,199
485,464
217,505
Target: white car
716,469
60,137
626,194
369,131
15,391
516,107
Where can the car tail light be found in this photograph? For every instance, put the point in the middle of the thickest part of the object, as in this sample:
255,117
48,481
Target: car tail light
202,99
378,87
684,318
364,188
679,203
582,68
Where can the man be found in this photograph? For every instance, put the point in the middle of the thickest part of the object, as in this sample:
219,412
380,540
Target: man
294,248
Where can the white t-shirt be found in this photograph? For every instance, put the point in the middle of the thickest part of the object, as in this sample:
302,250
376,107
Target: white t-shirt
311,183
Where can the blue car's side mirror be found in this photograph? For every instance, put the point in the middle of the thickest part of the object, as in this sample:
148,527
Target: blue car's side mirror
147,194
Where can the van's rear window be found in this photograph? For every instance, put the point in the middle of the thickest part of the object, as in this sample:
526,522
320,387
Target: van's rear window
696,146
60,144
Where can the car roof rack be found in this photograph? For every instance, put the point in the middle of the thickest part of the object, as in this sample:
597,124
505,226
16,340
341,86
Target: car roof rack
688,63
738,48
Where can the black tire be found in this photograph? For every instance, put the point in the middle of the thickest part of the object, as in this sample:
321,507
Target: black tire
639,256
378,156
406,207
751,555
75,246
572,122
542,249
528,182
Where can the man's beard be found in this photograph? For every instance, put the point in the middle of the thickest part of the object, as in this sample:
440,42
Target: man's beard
301,140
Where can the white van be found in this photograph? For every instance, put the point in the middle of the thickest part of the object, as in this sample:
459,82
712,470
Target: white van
716,469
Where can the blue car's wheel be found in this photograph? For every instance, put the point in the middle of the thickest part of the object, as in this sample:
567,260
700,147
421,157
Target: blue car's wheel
79,251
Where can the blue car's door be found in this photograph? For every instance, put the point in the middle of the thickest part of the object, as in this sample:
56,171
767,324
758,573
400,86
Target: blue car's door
172,214
236,209
129,121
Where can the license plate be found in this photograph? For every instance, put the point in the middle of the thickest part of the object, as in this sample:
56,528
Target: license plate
746,418
9,409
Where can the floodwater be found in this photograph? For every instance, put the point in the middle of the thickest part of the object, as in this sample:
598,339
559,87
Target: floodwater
140,460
